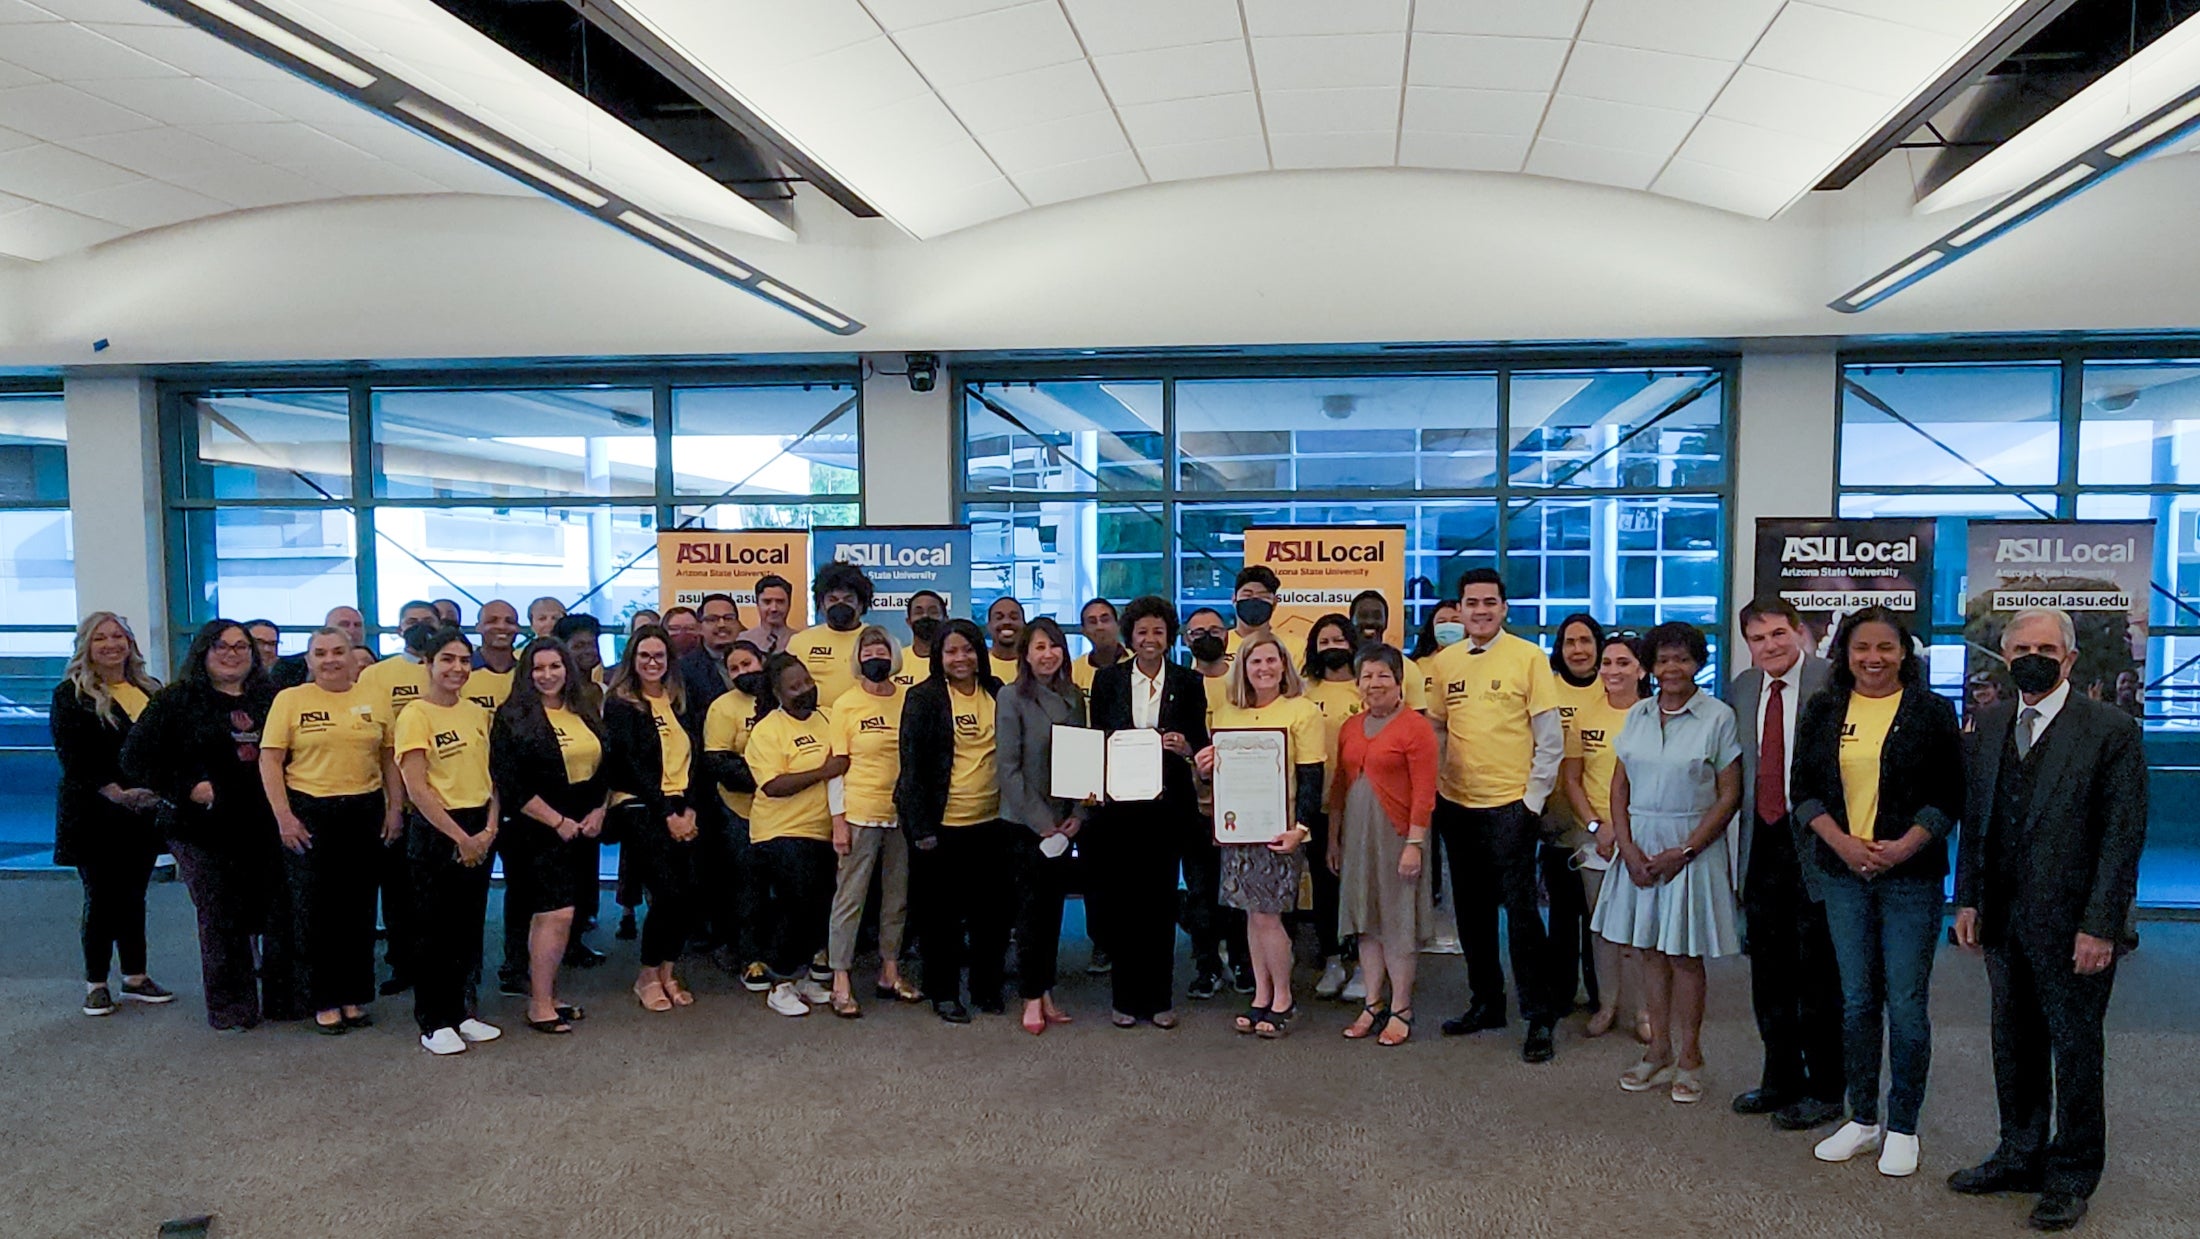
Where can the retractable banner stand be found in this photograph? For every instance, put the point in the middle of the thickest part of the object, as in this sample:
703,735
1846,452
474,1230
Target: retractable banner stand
695,562
1829,568
901,560
2098,571
1323,567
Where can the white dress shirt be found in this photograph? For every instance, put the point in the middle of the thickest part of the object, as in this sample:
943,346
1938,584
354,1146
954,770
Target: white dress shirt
2049,706
1791,704
1146,696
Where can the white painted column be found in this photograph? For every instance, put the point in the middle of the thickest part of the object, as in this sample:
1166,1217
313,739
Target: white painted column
1785,415
115,505
908,447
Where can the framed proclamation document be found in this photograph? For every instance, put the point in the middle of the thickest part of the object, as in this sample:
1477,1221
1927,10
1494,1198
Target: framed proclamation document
1252,784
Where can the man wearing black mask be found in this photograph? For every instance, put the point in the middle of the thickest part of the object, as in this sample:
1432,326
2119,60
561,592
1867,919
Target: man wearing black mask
925,613
843,597
1206,921
1255,601
2046,871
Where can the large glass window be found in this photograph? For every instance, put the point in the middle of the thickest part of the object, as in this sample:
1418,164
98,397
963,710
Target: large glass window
471,491
37,557
1591,488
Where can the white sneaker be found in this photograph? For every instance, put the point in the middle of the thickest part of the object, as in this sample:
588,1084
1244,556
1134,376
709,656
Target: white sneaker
443,1041
1332,982
476,1031
1852,1139
1898,1157
811,992
785,1001
1355,990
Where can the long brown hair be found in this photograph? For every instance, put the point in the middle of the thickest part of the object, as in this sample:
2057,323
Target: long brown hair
1061,681
525,700
626,678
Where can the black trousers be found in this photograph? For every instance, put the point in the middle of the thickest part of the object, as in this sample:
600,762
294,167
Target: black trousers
1134,862
588,879
231,886
1041,885
1794,979
400,928
2048,1063
330,889
794,896
664,869
967,906
449,903
1206,922
1323,913
517,917
726,887
1572,959
1492,856
113,923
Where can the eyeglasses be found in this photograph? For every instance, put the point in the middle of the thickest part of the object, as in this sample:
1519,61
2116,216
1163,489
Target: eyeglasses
233,647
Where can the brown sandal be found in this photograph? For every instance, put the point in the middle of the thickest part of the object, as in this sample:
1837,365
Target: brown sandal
846,1008
679,994
652,996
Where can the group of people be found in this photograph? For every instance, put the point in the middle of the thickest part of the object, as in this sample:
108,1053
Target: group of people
778,793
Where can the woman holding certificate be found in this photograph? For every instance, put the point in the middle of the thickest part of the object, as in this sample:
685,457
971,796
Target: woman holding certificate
1044,696
1380,804
1266,759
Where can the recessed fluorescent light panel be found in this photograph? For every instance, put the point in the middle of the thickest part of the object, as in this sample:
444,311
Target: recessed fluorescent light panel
416,64
2156,131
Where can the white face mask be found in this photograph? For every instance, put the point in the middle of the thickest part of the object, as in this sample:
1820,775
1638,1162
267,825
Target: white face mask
1450,633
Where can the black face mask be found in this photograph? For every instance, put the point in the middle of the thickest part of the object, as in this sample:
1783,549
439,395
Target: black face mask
840,617
750,682
877,669
1333,659
2035,673
416,636
926,631
803,704
1206,648
1254,612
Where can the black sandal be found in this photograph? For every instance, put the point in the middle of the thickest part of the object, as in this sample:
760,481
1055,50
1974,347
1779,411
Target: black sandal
337,1029
1250,1019
1276,1025
1403,1017
571,1015
555,1025
1379,1016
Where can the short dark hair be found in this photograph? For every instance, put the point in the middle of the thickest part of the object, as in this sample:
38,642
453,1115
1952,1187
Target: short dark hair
1365,595
1196,612
1005,598
1481,576
1912,670
934,595
1098,602
1771,606
249,625
839,575
1151,606
1260,574
717,596
682,609
1314,636
1673,634
445,634
772,580
1380,652
573,622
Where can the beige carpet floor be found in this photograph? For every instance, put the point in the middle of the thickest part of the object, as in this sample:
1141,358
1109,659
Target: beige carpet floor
724,1119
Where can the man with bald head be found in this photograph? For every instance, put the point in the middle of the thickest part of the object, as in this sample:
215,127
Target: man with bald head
2046,872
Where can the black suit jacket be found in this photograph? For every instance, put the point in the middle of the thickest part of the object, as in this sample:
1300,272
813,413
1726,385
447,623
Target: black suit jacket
87,825
1920,777
928,756
1183,710
2076,865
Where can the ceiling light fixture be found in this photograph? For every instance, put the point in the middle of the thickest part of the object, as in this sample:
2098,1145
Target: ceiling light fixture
404,45
2151,133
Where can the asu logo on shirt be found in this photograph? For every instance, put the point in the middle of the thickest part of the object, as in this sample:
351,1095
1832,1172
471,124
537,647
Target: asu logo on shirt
448,743
821,651
966,726
1455,688
804,743
1848,733
311,721
873,723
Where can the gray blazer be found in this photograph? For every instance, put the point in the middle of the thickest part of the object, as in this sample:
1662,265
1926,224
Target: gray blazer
1742,693
1023,753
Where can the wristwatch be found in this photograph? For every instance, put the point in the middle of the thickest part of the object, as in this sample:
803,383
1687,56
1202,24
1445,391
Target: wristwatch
1688,854
1595,825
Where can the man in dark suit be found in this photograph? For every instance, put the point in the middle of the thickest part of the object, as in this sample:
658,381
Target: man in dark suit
1135,848
1794,981
2046,871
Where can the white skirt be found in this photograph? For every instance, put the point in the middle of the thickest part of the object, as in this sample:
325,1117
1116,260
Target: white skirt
1690,914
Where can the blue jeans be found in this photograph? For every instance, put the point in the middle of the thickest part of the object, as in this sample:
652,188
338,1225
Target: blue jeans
1884,934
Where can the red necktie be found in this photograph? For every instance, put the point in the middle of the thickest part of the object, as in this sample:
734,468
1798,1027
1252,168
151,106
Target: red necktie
1772,759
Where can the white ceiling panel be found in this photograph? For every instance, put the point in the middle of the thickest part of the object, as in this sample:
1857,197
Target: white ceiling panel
1268,18
1334,150
1546,19
1312,62
991,44
56,112
1766,153
1074,139
47,173
1178,121
1654,79
1052,93
1176,72
1852,50
68,52
1079,180
1596,164
1112,27
1466,152
15,75
183,101
1620,126
1183,161
39,232
1484,62
1350,110
1511,113
142,203
1719,29
1960,19
1723,188
121,12
1801,105
903,14
11,140
13,12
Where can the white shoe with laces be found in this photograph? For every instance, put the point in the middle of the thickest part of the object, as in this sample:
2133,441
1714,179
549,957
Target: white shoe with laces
476,1032
1852,1139
1898,1156
811,992
785,1001
1355,990
443,1041
1333,978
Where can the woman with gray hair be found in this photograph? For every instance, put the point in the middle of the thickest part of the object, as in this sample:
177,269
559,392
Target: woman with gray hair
103,825
1380,805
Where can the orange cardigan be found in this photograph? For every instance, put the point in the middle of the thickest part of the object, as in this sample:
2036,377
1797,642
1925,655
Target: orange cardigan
1401,760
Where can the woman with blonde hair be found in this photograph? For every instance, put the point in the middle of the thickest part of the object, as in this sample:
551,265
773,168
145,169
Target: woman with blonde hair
866,729
103,825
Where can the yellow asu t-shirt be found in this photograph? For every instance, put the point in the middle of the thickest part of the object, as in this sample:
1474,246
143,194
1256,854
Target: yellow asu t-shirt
1337,700
1485,700
1571,701
726,730
672,738
580,747
334,741
828,655
783,744
129,697
1863,740
867,731
455,739
1414,687
1306,737
1082,670
395,682
486,688
1590,737
973,787
1004,669
914,671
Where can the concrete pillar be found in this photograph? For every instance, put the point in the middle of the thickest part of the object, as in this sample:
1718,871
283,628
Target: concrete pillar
908,447
1786,411
115,505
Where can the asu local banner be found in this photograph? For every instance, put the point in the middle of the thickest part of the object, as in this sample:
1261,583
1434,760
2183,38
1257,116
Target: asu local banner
2098,571
900,560
1829,568
695,562
1323,567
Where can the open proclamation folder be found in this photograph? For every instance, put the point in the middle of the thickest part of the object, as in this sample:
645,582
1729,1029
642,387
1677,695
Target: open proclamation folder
1097,765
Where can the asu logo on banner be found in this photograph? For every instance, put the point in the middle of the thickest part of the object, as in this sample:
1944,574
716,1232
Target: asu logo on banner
695,562
1323,567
